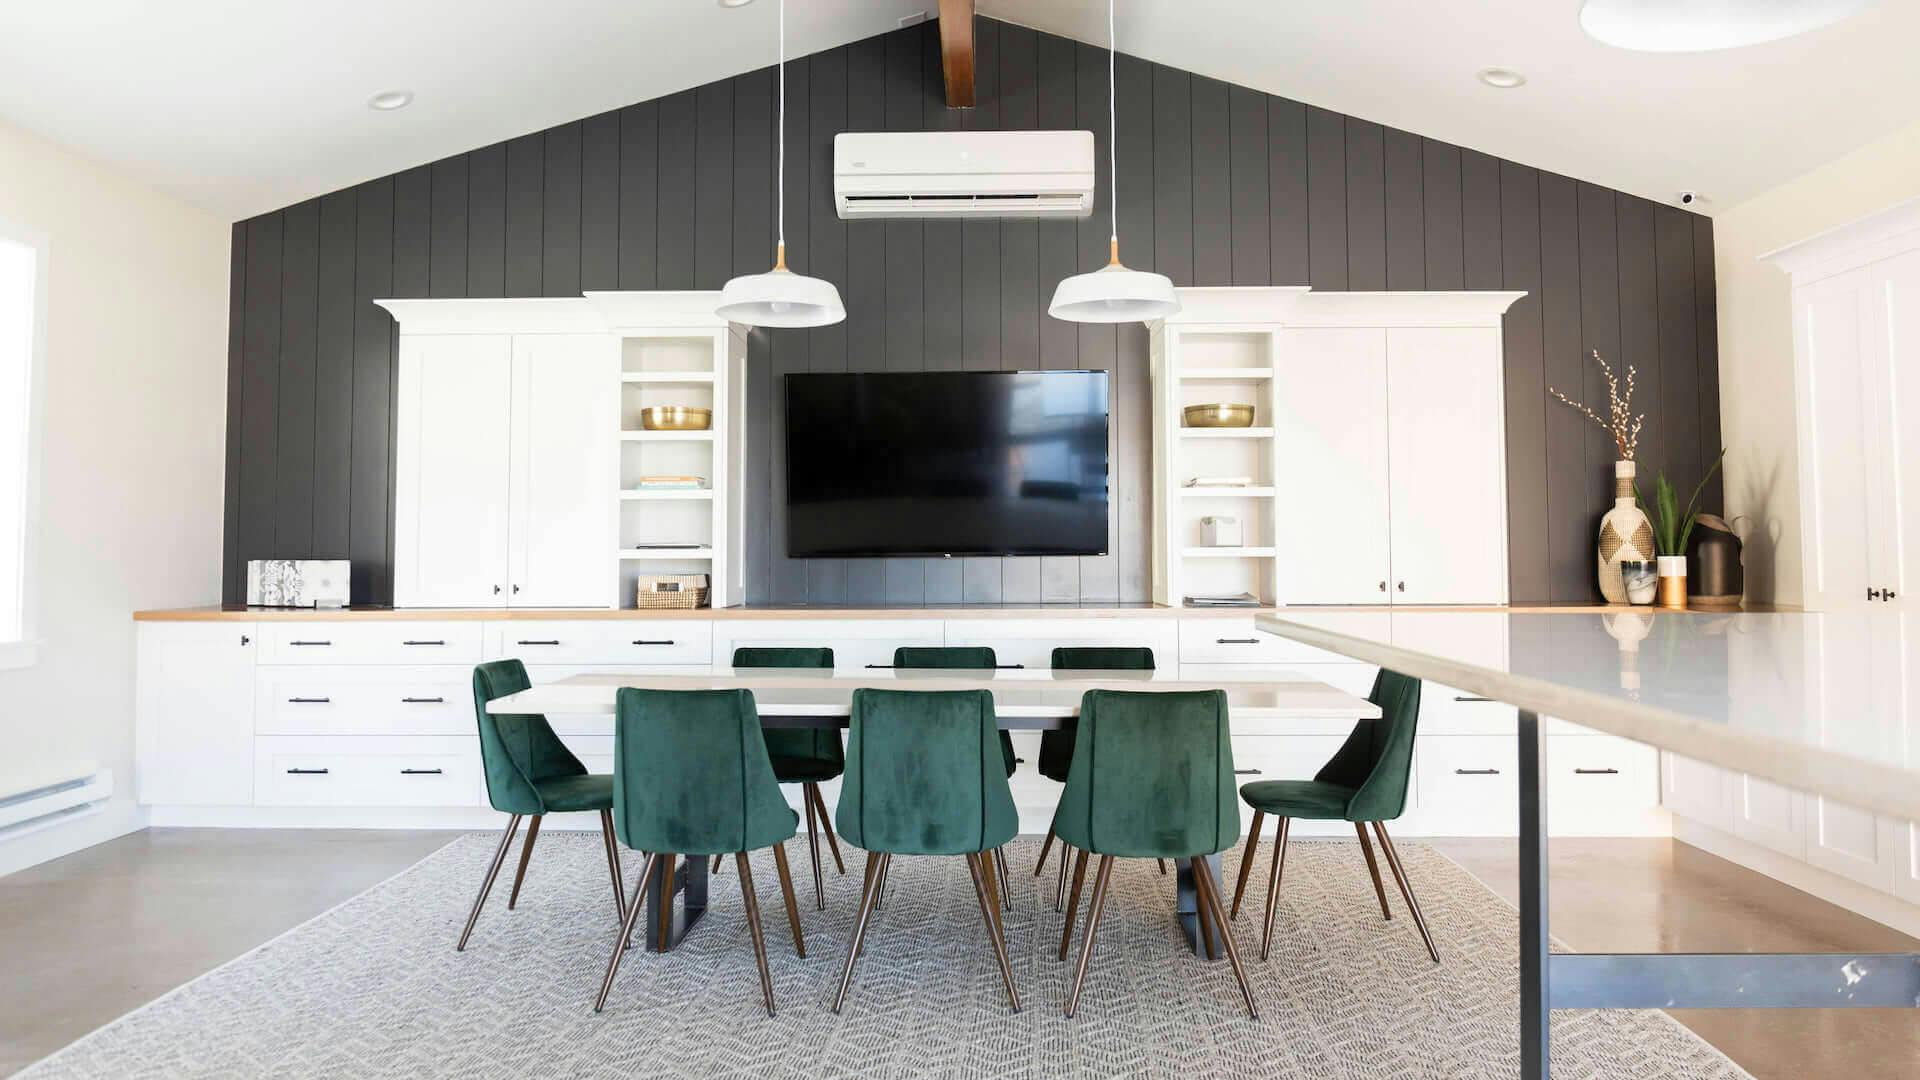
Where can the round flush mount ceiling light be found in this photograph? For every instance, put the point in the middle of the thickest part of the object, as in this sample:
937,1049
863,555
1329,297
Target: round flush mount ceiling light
1502,78
1705,25
389,100
734,3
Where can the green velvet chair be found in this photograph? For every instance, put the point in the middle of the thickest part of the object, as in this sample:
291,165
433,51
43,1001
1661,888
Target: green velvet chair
924,777
1152,778
975,657
691,777
1056,746
1365,783
805,756
530,773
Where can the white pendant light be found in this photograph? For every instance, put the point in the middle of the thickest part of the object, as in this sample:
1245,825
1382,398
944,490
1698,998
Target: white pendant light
1113,293
781,297
1706,25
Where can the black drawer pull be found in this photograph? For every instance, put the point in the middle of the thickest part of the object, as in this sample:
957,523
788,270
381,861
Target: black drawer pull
1596,772
309,701
423,701
536,643
421,772
309,642
1476,772
423,643
1246,772
1470,697
644,641
1236,641
306,772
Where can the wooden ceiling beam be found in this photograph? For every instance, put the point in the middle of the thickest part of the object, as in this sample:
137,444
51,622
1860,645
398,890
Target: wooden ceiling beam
956,51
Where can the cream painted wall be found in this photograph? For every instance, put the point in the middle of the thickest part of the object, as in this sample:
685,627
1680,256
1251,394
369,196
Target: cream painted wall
1756,341
132,459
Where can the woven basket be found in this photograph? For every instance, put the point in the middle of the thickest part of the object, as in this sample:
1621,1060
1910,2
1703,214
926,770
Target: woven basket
670,591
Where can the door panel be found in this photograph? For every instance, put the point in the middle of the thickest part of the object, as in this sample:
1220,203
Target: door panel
1838,473
565,419
1447,461
1329,407
450,520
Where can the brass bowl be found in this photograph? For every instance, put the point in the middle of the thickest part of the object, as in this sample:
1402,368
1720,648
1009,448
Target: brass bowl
675,418
1218,415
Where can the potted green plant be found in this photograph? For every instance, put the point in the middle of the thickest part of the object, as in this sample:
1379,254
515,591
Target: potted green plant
1671,528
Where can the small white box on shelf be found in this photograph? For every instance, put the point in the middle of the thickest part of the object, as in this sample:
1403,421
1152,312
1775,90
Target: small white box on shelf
1220,531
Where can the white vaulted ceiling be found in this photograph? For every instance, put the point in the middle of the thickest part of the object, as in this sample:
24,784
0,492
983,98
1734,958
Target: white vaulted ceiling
243,105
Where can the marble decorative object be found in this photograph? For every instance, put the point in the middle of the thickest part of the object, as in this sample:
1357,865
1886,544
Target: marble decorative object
298,582
1641,579
1625,534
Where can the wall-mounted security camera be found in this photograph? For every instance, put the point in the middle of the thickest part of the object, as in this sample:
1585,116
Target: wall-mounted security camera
1690,198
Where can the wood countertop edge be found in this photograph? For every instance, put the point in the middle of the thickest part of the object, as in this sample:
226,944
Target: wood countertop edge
1042,611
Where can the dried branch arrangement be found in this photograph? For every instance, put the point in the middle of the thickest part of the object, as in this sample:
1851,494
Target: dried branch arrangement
1620,422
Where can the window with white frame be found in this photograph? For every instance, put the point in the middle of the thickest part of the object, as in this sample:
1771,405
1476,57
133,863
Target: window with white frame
22,307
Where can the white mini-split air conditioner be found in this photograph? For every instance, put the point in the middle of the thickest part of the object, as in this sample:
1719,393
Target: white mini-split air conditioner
963,174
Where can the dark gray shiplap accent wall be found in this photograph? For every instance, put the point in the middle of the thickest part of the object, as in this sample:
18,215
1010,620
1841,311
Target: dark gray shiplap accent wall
1221,185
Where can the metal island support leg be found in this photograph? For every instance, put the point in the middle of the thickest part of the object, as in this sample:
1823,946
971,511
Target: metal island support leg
1536,1009
1186,908
665,926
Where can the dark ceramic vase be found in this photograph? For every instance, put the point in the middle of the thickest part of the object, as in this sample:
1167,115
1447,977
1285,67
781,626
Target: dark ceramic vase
1714,575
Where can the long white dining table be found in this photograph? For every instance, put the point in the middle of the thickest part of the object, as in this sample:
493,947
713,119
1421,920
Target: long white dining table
1258,702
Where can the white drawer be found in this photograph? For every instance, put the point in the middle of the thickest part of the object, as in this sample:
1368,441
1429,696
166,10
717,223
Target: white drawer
1234,640
1468,784
295,770
856,643
1447,711
387,642
604,641
364,700
1600,785
1030,642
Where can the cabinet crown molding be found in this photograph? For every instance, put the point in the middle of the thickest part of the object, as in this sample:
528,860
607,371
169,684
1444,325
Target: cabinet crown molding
1857,243
590,313
1298,305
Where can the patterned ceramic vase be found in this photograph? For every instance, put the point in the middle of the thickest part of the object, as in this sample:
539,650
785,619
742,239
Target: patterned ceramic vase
1625,534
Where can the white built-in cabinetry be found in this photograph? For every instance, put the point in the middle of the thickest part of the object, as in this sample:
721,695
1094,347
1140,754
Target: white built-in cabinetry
1377,454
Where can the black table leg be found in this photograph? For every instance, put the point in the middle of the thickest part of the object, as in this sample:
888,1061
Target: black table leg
1536,1001
690,882
1186,906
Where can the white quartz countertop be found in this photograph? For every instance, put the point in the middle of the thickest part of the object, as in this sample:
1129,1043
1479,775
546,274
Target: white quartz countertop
1824,703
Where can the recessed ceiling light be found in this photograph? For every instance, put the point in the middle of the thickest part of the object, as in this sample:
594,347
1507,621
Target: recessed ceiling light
1704,25
389,100
1502,78
734,3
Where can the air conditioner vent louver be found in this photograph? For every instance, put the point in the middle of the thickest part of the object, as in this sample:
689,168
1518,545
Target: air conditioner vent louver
963,174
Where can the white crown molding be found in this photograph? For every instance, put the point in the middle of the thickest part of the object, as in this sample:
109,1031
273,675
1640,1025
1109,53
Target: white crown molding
1402,308
1213,305
517,315
1857,243
649,310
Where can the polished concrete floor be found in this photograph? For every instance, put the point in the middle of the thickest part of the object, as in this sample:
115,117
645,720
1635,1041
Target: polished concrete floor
90,936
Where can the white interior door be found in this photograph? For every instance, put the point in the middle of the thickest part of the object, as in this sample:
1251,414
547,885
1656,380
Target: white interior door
563,452
1838,465
1330,435
450,497
1446,438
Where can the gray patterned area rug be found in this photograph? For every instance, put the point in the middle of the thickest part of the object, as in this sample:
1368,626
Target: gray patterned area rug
375,989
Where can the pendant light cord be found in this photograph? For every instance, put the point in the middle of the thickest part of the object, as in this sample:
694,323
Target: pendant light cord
780,192
1113,141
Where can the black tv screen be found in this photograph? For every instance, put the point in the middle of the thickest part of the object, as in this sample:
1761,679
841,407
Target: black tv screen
947,463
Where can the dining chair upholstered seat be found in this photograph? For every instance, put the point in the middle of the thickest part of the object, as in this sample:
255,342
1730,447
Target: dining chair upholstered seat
1365,782
1152,777
806,756
692,777
924,777
529,774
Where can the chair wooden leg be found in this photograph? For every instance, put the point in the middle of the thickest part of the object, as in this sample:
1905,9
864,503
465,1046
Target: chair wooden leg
714,866
1246,861
996,934
1373,870
1209,894
666,898
1002,877
526,853
1203,915
1406,887
1273,887
1045,846
880,886
786,893
752,901
869,892
486,884
625,941
1162,864
1097,908
1073,903
813,850
996,886
613,865
1060,888
826,826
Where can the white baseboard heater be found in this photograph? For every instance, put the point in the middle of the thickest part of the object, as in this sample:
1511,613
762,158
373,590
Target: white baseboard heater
51,803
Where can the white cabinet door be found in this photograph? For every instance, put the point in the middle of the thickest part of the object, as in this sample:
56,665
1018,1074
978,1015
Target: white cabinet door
1330,433
1768,814
561,485
1897,563
1447,462
195,714
1694,790
450,498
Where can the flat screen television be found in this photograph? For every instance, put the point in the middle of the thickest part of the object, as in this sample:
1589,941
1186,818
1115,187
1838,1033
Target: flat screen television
938,463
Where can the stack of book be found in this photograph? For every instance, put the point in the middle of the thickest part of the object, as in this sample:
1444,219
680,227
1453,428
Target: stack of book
1223,600
671,483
